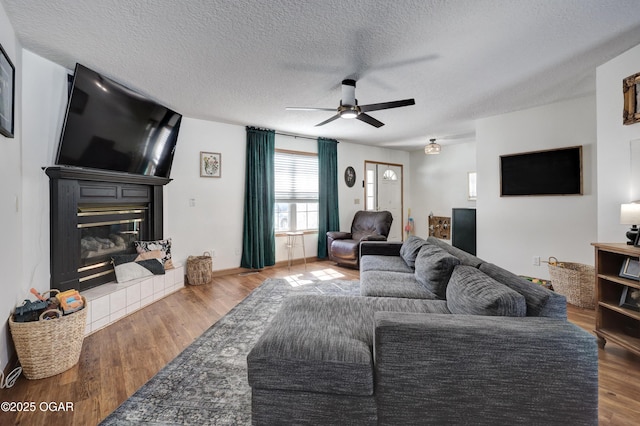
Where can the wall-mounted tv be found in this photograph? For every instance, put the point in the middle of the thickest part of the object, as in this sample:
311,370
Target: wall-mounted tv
111,127
549,172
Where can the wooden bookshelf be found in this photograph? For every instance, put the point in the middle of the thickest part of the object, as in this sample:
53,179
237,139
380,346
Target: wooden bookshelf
615,323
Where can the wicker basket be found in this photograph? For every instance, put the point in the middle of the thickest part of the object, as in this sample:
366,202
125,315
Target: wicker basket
575,281
49,347
199,269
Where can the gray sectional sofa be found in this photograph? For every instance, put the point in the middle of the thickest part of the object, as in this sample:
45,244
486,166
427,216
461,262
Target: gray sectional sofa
438,337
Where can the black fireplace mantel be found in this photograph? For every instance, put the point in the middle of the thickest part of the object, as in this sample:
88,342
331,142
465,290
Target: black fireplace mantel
77,173
71,187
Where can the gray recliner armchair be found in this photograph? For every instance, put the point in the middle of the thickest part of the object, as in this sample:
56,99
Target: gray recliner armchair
344,247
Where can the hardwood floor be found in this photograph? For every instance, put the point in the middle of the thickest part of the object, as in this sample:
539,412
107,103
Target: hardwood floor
117,360
618,377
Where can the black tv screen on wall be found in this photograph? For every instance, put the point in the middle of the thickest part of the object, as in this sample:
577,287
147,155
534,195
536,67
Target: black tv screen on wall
111,127
549,172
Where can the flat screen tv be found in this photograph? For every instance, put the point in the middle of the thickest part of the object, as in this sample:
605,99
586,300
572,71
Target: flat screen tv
550,172
111,127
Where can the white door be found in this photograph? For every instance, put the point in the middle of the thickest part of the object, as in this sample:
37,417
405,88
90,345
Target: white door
383,191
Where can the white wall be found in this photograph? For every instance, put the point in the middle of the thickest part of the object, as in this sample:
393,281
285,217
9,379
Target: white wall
40,104
11,195
614,165
214,223
439,183
44,101
512,230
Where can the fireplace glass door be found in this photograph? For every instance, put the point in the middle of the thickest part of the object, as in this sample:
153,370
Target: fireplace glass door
105,232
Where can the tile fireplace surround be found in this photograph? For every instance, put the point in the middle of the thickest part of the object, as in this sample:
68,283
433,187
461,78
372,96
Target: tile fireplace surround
111,301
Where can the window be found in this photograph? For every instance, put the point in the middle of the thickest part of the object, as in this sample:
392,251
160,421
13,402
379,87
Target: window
296,191
472,192
371,190
389,175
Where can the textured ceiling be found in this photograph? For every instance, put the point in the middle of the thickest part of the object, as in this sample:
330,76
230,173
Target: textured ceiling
244,61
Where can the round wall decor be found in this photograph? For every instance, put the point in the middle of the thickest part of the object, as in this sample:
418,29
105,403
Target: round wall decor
350,176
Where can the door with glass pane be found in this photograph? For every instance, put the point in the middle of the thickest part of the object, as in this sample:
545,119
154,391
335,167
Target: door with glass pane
383,191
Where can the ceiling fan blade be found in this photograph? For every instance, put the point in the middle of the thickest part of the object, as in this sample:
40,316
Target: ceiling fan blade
308,109
369,120
328,120
387,105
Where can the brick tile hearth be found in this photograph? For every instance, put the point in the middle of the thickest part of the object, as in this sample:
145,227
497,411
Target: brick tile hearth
112,301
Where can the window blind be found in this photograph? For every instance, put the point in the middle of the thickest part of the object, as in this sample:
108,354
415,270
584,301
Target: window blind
296,177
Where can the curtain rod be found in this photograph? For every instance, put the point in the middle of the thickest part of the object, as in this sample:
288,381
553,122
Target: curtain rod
298,136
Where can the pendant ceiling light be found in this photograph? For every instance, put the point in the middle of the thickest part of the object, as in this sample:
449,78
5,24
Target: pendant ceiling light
432,147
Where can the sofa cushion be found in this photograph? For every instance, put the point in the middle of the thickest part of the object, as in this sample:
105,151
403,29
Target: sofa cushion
471,292
465,258
392,284
410,248
384,263
540,301
433,269
323,343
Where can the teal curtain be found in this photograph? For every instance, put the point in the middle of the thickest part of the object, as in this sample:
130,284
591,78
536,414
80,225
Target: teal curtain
328,215
258,237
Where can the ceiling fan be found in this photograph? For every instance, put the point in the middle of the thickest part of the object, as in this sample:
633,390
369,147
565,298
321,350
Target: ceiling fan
349,107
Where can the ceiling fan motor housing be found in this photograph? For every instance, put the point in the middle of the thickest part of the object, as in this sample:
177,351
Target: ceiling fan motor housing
349,92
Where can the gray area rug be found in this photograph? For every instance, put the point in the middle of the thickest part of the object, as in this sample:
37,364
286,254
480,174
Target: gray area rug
207,383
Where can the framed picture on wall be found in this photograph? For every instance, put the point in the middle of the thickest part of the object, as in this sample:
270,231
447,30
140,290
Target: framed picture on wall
7,94
210,164
631,93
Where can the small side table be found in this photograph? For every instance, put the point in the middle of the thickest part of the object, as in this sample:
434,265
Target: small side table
291,245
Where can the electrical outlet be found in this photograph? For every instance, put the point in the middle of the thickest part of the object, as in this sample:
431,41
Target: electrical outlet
213,253
536,260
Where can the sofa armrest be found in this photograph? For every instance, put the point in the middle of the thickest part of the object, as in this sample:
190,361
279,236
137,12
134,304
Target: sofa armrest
339,235
381,248
461,369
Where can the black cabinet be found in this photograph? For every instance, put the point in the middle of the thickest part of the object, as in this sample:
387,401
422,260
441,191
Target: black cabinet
464,229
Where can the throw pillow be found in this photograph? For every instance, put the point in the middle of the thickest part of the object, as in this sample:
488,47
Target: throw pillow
410,248
540,301
153,254
433,269
132,266
163,245
471,292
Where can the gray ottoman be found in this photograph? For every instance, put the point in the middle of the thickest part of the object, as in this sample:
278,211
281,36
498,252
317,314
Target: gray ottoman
314,363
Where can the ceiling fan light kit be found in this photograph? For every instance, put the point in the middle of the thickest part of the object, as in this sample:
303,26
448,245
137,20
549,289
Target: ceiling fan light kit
432,147
350,109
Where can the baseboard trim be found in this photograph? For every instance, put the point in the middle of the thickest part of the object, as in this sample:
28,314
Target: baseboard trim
236,271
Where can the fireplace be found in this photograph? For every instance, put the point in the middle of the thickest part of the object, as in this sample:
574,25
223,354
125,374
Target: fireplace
106,231
95,215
